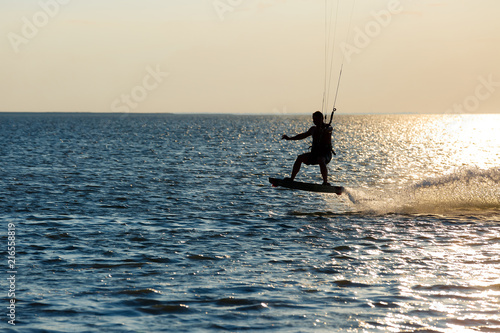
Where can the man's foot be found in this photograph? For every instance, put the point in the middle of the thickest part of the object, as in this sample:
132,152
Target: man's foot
326,184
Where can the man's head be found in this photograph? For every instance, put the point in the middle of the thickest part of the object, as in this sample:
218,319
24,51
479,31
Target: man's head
318,118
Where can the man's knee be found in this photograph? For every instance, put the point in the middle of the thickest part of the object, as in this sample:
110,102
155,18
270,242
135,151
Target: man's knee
302,158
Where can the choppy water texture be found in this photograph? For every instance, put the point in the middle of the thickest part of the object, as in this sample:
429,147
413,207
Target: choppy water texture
151,223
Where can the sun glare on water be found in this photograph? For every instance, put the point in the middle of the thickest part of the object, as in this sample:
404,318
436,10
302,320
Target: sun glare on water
476,140
431,164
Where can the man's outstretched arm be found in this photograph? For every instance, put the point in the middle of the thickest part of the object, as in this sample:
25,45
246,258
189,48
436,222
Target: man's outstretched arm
300,136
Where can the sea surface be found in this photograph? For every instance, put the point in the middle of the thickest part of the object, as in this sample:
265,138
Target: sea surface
167,223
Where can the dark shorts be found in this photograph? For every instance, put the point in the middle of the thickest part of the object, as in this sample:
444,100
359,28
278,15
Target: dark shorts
314,158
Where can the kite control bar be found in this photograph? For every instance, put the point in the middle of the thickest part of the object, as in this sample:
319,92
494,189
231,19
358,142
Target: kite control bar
331,116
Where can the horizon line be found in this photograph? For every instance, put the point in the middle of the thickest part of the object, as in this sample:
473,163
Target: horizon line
227,113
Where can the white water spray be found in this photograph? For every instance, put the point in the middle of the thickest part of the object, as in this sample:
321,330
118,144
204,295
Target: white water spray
463,191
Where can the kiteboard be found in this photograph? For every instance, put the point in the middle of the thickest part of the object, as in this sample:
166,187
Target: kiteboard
288,183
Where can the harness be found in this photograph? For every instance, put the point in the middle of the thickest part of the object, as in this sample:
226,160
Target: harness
318,147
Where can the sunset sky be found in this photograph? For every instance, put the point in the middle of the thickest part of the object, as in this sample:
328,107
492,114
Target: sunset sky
249,56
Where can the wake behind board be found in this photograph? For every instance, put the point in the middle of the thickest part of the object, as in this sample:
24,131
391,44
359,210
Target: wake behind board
306,186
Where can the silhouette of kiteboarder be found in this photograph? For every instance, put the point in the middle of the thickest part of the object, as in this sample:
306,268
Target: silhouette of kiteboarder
321,150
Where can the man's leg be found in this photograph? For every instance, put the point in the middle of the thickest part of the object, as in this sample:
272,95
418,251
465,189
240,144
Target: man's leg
296,166
324,170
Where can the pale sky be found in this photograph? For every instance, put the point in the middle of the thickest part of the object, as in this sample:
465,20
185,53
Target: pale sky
249,56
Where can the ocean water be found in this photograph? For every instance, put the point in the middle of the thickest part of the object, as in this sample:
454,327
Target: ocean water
167,223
